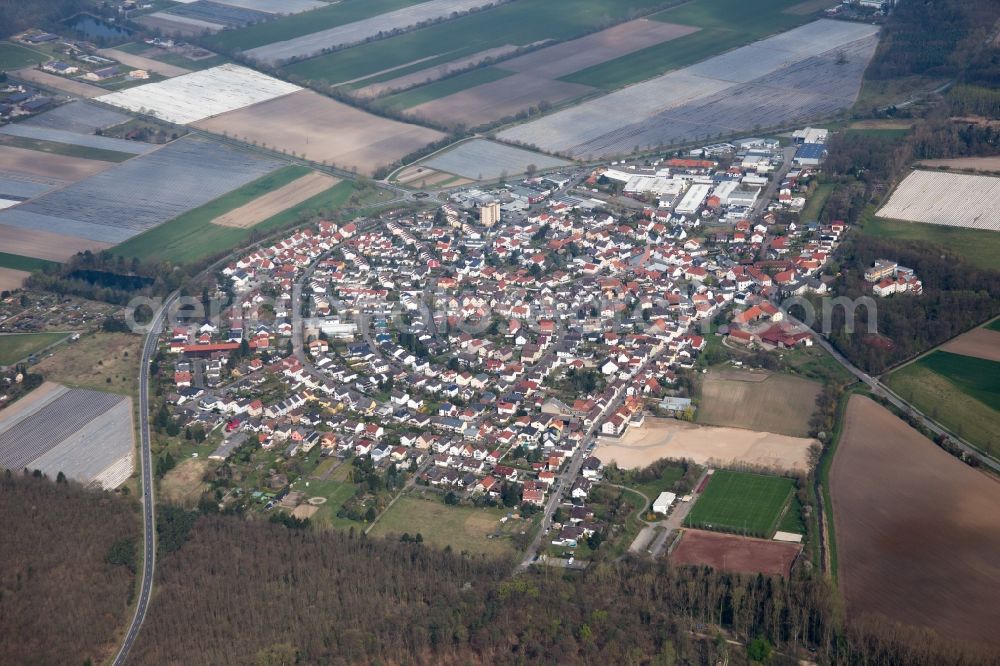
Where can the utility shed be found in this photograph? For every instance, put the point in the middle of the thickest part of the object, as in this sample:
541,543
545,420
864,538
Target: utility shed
662,503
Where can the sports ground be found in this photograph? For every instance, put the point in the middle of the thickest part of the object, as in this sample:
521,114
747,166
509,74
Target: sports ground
742,503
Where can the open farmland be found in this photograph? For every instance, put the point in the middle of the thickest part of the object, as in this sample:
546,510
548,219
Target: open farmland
215,13
979,342
87,435
142,62
704,445
463,528
978,378
190,237
11,279
984,164
77,116
142,192
99,143
276,6
359,31
978,247
480,159
18,346
71,86
199,95
726,552
429,74
45,245
950,199
41,167
324,130
274,202
742,503
920,548
779,403
789,78
14,56
513,23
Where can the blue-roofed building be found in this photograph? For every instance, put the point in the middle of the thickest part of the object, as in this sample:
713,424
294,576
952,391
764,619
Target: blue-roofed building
810,154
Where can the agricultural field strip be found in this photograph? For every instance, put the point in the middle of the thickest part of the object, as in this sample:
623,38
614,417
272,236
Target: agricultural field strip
29,438
270,6
489,160
602,119
213,12
77,116
978,378
161,185
161,20
75,139
275,201
949,199
19,188
199,95
89,451
427,75
358,31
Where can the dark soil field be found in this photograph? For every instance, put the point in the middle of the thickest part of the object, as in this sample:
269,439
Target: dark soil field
918,532
732,553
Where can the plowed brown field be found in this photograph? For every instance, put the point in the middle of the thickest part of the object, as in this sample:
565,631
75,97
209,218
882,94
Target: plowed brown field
918,532
733,553
979,342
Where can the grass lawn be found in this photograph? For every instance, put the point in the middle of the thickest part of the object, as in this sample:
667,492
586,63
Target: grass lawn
442,88
67,149
947,402
814,206
21,263
192,237
981,248
652,489
725,25
464,528
741,503
297,25
994,325
816,363
521,23
792,520
15,347
14,56
336,493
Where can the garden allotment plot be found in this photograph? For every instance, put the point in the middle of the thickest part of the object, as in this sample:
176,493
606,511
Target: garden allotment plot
742,503
806,73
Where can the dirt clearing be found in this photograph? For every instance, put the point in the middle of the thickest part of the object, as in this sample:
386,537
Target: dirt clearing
141,62
11,279
917,530
323,130
979,342
48,165
44,244
184,484
272,203
70,86
705,445
732,553
772,403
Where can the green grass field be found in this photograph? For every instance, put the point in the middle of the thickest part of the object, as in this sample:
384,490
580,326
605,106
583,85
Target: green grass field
978,378
522,22
981,248
725,25
13,56
814,206
464,528
443,88
792,520
961,396
741,503
336,494
191,237
296,25
20,263
67,149
17,346
994,325
895,134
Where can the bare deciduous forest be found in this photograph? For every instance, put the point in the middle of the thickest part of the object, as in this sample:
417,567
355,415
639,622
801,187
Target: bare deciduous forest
62,599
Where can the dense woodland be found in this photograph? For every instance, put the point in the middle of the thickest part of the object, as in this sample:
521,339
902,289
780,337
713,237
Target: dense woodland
66,573
18,15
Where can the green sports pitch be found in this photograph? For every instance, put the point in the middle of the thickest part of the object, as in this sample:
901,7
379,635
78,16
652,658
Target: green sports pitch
741,503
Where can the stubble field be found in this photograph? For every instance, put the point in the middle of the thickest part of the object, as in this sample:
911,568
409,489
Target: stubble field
917,530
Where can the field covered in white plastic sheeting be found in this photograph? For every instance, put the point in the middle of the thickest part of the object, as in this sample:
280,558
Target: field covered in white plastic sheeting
951,199
805,73
199,95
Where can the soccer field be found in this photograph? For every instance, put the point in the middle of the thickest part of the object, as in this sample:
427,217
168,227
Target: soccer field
741,503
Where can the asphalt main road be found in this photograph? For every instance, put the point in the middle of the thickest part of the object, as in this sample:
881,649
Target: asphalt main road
146,467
